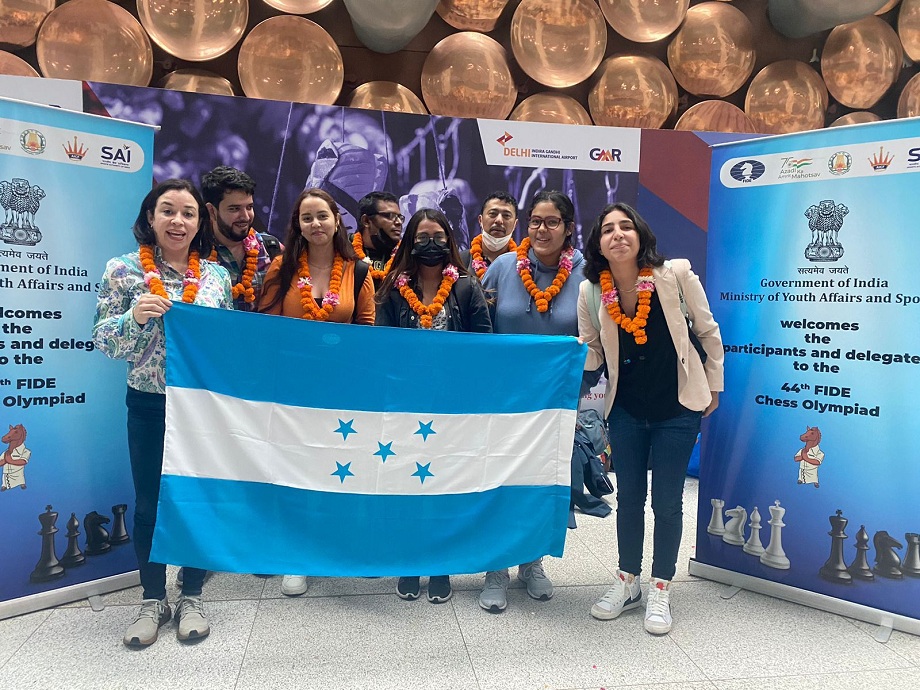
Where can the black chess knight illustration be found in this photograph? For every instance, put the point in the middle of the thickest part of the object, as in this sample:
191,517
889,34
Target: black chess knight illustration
825,221
20,201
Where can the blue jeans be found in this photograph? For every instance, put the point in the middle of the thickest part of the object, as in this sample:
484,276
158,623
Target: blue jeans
666,447
146,429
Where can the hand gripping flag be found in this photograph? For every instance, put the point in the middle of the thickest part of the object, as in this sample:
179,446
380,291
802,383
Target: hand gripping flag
362,451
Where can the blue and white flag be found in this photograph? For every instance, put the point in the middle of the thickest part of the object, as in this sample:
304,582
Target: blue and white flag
342,450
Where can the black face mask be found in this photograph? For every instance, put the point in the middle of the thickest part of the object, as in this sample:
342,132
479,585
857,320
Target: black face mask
383,242
430,254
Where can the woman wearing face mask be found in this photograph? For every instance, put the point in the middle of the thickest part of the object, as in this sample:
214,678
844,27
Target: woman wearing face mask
428,287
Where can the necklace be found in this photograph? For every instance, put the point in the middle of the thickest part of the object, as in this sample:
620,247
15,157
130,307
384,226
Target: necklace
357,242
330,299
427,313
542,298
479,263
611,299
244,287
154,280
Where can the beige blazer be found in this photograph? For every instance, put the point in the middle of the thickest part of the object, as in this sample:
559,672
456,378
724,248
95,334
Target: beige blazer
694,380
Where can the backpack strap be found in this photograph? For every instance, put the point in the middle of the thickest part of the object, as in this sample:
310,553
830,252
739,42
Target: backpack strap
680,291
272,244
593,296
361,269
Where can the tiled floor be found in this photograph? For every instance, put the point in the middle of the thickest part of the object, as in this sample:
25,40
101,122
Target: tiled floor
358,634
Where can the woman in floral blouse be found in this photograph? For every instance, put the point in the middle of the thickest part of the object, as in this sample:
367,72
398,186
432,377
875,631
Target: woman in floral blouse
173,233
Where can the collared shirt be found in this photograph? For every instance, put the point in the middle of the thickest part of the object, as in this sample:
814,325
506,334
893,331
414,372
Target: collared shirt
226,259
118,335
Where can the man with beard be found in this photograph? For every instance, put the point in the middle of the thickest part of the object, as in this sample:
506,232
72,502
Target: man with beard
497,220
245,253
380,230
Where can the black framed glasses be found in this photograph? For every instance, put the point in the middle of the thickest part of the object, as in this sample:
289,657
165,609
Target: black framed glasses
551,223
425,240
390,216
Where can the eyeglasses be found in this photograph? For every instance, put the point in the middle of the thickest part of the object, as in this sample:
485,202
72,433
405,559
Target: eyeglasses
390,216
424,240
551,223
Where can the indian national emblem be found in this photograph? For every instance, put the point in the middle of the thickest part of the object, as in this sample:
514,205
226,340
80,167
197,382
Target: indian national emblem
825,221
20,202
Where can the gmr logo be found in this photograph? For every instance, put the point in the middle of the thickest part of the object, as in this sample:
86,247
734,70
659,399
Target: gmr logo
608,155
122,155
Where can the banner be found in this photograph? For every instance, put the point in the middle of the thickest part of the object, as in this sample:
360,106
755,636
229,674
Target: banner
322,473
70,187
809,478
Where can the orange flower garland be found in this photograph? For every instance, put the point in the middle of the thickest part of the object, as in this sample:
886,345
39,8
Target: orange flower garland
330,299
427,313
542,298
244,287
357,243
155,282
478,263
610,298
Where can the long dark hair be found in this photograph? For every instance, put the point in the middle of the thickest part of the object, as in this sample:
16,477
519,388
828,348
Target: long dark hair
404,262
562,203
648,244
295,243
203,241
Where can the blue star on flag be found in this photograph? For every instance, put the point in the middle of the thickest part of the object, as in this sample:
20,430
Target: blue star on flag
422,472
342,471
345,428
385,450
425,430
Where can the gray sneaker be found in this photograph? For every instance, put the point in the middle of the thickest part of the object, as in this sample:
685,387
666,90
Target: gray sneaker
494,595
143,631
192,621
538,585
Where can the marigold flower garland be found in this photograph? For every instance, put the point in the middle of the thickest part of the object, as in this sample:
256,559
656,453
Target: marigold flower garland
244,287
357,242
154,281
479,263
427,313
611,299
542,298
330,299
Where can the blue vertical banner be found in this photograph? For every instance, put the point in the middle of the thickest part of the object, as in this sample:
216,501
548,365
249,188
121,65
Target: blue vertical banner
808,476
70,187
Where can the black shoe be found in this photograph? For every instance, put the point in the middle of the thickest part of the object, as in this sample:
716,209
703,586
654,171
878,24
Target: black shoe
408,588
439,589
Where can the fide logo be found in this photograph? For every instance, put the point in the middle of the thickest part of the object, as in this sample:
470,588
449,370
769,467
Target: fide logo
825,221
747,171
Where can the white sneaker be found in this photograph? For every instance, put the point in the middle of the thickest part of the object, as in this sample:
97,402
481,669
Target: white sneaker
143,631
623,596
658,607
293,585
193,623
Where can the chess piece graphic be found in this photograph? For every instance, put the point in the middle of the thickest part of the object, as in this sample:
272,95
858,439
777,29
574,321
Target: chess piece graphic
911,564
734,529
73,556
834,569
887,560
716,526
753,545
119,533
97,536
774,556
48,566
859,568
825,220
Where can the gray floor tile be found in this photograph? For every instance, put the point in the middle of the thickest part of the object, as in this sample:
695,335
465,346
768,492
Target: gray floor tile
15,631
556,644
333,587
854,680
356,642
908,646
698,685
76,648
752,635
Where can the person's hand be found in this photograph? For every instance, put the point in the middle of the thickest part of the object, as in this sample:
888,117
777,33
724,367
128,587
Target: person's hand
150,306
713,405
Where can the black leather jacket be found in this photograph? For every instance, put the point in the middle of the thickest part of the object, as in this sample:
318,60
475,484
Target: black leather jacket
466,307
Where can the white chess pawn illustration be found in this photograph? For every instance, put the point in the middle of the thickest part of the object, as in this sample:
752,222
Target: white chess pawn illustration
716,526
753,545
774,556
734,529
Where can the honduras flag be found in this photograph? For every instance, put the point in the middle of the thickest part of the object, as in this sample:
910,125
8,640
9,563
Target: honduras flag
340,450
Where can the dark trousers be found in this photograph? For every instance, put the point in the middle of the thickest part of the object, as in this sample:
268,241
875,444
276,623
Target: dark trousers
146,429
667,446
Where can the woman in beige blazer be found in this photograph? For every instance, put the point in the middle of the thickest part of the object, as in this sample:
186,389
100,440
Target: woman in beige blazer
631,316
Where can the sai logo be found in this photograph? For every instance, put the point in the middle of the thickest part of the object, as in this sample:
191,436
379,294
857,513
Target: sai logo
32,141
840,163
115,156
609,155
747,171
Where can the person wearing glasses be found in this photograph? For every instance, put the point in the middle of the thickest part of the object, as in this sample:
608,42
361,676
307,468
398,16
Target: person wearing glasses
429,287
381,226
535,291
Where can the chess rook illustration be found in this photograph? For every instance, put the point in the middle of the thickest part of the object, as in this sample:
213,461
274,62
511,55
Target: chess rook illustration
73,556
734,528
911,564
859,568
753,545
48,566
716,525
887,560
834,569
774,556
119,533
